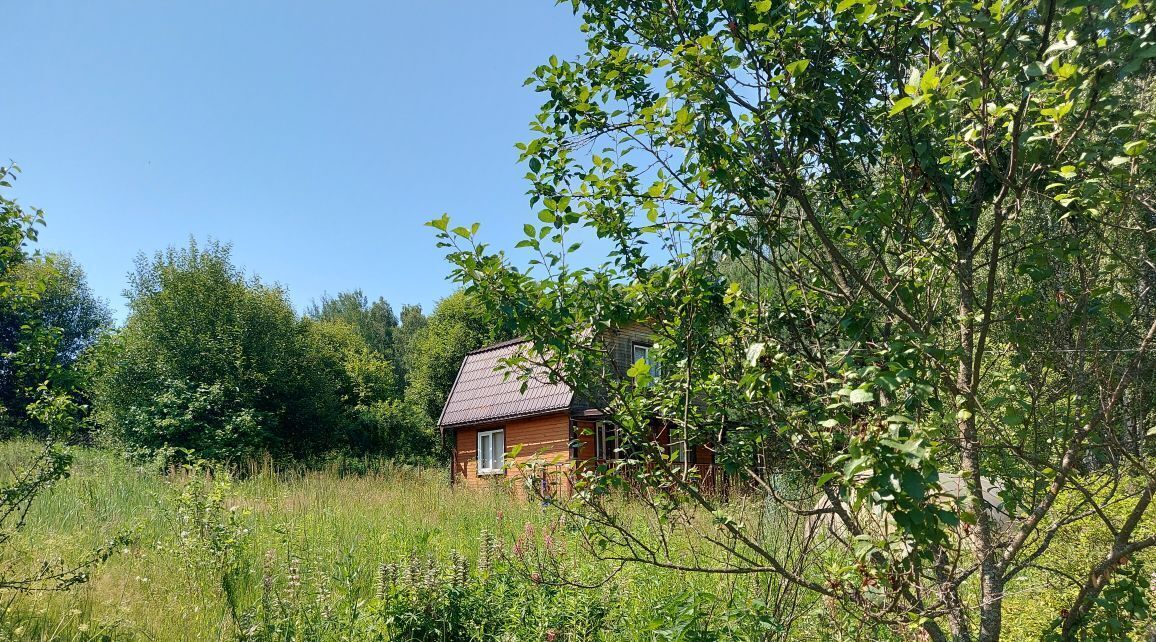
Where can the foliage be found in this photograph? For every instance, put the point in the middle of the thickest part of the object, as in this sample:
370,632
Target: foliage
942,217
457,325
66,303
215,362
33,347
312,544
211,537
375,322
48,318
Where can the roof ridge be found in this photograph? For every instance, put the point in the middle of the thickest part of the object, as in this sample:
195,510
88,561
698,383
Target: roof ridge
500,344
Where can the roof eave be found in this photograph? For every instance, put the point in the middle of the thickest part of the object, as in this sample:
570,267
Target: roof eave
501,418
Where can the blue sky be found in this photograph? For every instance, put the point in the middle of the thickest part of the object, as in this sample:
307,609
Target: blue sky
315,137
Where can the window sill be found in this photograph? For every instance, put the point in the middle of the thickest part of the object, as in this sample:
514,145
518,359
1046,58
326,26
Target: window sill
491,473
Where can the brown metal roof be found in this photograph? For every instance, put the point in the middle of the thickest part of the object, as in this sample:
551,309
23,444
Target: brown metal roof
482,392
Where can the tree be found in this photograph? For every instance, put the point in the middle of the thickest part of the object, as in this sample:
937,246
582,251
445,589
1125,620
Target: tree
62,311
32,346
945,210
214,361
412,322
67,303
375,420
65,313
457,325
375,322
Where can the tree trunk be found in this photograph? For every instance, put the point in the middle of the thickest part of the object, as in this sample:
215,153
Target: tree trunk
991,580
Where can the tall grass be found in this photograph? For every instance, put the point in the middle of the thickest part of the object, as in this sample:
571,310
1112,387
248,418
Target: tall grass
195,572
333,523
372,551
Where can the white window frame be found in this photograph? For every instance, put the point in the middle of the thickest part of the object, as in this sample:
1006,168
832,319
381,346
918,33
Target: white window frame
643,351
601,430
492,456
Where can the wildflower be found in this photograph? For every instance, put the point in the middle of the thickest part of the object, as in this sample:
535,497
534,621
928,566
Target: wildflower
294,581
459,569
551,635
386,574
485,548
82,627
536,577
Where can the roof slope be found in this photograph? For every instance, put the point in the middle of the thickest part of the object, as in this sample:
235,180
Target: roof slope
483,393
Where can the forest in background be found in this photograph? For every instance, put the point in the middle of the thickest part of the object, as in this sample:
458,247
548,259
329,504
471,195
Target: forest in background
213,363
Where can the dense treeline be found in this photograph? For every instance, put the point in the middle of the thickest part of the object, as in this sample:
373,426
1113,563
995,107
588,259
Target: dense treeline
214,363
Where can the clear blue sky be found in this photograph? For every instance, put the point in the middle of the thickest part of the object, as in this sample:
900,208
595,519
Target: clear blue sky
316,137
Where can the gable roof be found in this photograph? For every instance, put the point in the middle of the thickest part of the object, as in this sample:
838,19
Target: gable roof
482,393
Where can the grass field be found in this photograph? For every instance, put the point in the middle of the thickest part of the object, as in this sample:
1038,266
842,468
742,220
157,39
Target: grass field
320,535
293,555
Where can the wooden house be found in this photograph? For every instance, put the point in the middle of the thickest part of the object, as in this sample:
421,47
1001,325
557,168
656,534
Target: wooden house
488,416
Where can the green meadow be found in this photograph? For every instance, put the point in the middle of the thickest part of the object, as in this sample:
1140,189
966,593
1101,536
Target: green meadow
299,555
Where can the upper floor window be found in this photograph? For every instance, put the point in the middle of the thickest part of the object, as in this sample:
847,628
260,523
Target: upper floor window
645,353
491,451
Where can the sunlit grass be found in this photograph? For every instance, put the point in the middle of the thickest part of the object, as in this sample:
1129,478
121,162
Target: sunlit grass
334,524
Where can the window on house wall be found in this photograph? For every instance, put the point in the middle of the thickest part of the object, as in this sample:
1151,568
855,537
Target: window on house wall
644,352
606,441
491,451
683,452
575,442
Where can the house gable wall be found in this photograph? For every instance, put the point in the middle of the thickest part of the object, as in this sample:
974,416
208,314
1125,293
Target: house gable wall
620,345
545,438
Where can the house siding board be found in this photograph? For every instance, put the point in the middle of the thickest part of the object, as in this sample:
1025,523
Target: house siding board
544,438
621,345
482,393
584,433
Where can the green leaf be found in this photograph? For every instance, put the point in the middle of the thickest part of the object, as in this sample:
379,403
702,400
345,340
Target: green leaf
797,67
1057,47
440,223
912,484
1035,70
901,104
535,165
640,372
546,216
930,79
1136,147
860,395
1121,307
529,230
